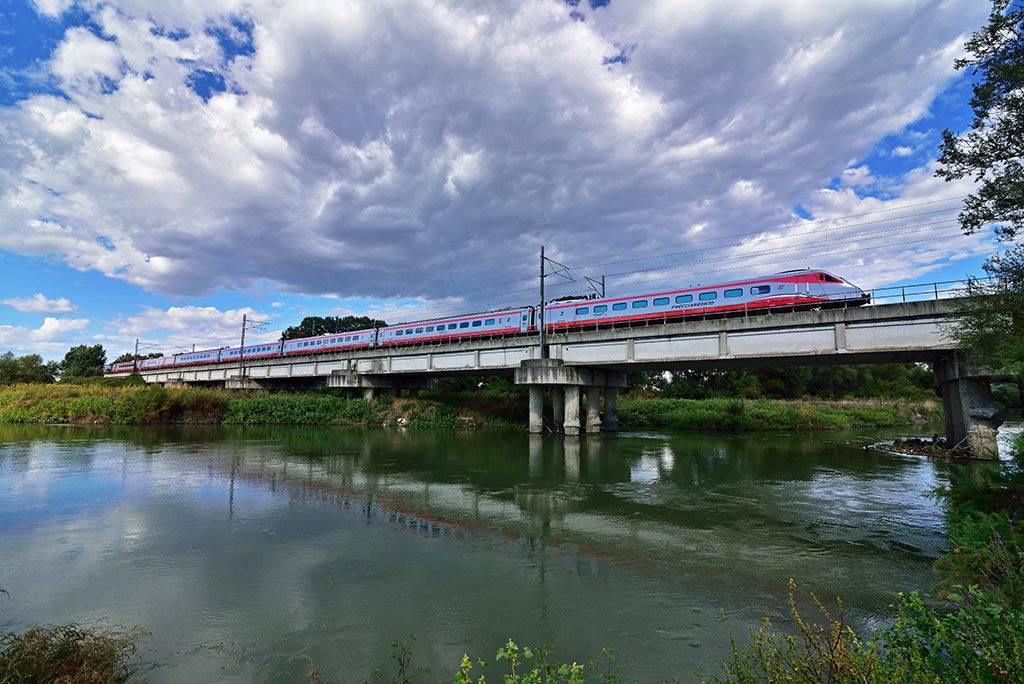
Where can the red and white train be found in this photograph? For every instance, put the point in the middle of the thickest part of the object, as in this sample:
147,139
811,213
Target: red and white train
786,290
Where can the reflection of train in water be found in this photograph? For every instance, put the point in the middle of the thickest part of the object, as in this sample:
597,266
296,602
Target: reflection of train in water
789,289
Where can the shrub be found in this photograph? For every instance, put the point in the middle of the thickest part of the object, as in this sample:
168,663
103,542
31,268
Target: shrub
68,654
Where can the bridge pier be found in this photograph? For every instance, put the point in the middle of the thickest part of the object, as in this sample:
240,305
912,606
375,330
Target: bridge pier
567,384
536,409
593,410
558,407
571,411
611,409
972,420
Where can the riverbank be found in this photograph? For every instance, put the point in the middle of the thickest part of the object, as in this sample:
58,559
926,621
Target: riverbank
142,405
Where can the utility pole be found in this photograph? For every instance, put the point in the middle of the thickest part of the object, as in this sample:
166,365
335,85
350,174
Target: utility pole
540,317
135,358
241,354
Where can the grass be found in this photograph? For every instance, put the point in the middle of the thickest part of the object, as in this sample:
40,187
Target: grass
67,654
131,404
106,404
770,414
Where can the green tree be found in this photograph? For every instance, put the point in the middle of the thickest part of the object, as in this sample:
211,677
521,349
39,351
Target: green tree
128,356
990,319
312,326
28,368
990,150
83,361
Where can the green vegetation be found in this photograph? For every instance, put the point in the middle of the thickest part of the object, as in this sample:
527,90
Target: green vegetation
83,361
765,414
28,368
990,151
869,381
128,402
68,654
124,402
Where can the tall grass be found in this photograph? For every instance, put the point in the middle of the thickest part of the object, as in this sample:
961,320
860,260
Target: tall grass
767,414
67,654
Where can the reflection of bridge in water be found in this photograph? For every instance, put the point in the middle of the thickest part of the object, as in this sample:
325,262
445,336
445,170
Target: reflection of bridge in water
645,502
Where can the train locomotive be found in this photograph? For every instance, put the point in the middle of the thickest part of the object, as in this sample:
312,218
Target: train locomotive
785,290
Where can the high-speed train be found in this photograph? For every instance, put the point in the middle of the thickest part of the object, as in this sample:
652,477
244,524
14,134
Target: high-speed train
789,289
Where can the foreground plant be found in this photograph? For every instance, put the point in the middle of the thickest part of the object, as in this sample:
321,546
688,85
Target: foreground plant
67,654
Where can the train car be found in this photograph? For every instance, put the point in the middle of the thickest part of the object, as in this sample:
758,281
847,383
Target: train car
122,367
356,339
159,362
196,358
787,289
504,322
252,351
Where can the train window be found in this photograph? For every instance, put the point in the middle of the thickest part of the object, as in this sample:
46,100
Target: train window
734,292
640,304
464,324
419,330
760,289
452,326
684,299
489,321
826,278
429,328
582,310
477,324
661,301
408,331
399,332
600,308
707,296
619,306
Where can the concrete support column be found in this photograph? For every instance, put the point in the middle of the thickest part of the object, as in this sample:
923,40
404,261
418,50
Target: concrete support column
972,421
558,406
593,410
369,393
611,409
572,410
536,409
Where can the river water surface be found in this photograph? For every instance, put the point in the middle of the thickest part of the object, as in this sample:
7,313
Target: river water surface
251,553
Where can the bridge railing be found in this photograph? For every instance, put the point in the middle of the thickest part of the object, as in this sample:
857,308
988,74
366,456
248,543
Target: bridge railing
919,292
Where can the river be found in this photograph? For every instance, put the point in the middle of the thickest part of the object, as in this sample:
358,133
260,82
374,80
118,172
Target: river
251,553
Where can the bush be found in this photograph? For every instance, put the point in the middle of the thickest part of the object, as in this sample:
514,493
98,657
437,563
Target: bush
68,654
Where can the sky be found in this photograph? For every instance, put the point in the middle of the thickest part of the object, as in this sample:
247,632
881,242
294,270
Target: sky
166,167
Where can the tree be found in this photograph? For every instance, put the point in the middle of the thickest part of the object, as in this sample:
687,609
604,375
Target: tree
83,361
990,151
128,356
311,326
990,319
29,368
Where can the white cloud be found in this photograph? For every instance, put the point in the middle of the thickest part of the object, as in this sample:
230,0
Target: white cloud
52,336
39,303
902,151
396,149
177,328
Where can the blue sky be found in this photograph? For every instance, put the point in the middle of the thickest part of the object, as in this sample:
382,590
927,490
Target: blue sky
165,168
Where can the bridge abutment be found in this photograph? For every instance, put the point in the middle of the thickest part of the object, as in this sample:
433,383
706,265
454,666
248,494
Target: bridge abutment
972,420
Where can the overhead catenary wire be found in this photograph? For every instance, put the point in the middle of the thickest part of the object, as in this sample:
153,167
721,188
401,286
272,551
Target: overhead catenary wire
421,312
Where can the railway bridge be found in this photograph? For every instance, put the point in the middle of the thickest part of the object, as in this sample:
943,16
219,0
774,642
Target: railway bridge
585,368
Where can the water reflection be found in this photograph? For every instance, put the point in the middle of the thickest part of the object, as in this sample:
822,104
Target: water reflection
334,542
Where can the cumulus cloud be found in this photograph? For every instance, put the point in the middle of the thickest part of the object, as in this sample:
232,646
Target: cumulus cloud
177,328
53,335
397,149
39,303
